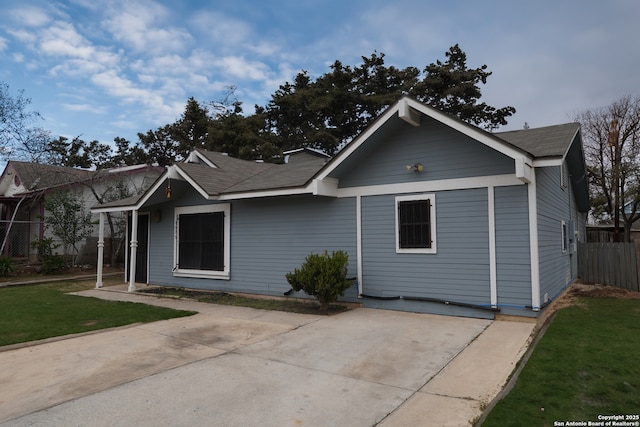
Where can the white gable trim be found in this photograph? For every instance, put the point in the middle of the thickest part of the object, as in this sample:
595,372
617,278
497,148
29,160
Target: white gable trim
197,157
181,175
409,109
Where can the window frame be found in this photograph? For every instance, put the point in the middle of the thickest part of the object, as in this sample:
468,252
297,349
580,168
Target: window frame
565,236
223,274
432,223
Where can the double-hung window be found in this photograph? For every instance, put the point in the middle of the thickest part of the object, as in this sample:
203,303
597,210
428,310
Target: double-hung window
416,224
202,241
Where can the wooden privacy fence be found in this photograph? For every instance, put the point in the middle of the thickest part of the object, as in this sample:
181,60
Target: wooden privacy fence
614,264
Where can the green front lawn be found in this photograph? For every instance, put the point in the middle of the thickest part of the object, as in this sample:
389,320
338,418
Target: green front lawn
35,312
587,364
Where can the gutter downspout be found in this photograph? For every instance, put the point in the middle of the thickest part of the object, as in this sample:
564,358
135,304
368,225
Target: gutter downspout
359,241
533,242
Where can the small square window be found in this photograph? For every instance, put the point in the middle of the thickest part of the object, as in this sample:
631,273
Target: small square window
415,224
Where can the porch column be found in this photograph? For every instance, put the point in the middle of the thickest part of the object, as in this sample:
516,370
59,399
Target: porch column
134,249
100,251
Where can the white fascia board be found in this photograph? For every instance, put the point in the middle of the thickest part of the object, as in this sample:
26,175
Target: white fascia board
265,193
432,186
109,209
541,163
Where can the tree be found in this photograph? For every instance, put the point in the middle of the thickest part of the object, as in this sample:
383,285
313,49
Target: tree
453,88
611,137
19,137
68,220
337,106
160,146
77,153
192,129
127,155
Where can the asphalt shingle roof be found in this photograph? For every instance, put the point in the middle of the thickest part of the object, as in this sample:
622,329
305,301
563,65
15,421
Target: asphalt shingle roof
234,175
549,141
41,176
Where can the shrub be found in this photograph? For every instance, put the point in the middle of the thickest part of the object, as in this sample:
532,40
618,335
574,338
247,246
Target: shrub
51,262
323,276
6,265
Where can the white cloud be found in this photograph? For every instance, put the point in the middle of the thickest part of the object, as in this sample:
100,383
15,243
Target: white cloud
140,25
30,16
3,44
62,39
221,30
84,108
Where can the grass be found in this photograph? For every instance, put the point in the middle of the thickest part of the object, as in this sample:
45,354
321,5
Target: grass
585,365
290,305
35,312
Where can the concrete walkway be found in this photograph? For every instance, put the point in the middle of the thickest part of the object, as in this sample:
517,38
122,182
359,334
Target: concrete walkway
239,366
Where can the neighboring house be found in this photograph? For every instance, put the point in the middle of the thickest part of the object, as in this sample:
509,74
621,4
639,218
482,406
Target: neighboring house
436,215
24,188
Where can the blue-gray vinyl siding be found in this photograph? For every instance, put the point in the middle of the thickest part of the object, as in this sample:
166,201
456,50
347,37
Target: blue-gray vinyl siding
459,271
555,204
269,237
513,255
444,152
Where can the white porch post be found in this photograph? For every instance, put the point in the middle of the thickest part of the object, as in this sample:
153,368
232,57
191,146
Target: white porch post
100,251
134,249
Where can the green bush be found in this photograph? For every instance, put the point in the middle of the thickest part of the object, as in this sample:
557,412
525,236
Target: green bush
6,265
51,262
323,276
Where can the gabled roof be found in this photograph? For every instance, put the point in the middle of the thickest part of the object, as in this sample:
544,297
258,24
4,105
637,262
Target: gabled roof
218,176
31,179
35,176
231,175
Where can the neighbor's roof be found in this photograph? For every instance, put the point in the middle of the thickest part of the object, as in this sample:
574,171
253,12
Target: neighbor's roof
549,141
35,176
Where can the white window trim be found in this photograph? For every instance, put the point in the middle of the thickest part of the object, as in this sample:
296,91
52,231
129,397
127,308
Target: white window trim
565,236
432,217
208,274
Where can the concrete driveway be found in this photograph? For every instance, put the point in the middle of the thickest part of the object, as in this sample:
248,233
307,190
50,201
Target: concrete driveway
232,366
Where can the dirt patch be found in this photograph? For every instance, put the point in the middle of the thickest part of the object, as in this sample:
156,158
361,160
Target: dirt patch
584,290
294,305
580,290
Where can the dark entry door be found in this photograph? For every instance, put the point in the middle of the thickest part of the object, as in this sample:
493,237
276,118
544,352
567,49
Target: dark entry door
143,247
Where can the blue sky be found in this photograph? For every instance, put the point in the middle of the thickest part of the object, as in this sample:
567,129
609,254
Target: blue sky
100,69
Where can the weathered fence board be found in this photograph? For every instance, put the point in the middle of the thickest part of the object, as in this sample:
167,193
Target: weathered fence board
614,264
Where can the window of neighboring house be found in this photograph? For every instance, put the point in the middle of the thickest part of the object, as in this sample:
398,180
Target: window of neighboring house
202,241
565,237
415,224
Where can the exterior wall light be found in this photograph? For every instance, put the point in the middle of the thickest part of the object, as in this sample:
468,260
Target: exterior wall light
416,167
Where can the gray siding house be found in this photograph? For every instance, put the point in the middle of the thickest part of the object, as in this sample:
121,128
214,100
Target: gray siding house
436,215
